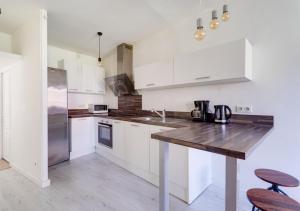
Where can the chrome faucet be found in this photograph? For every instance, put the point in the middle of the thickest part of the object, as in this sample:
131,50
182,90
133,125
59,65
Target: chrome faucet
162,115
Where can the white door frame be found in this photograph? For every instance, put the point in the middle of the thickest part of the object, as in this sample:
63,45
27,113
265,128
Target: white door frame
1,115
6,157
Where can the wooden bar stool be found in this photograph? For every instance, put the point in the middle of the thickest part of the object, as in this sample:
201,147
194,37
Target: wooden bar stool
276,179
267,200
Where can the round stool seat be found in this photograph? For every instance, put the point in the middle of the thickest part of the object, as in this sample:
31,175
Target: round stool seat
271,201
277,177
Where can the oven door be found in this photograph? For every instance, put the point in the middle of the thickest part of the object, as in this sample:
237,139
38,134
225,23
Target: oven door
105,134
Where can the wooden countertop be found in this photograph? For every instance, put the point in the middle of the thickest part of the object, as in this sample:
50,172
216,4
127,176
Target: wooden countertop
237,139
233,140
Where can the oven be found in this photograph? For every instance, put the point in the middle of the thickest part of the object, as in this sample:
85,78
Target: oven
104,133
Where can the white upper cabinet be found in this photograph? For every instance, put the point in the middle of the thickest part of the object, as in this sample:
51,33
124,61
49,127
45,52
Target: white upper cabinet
93,79
230,62
84,75
88,78
154,75
74,74
99,79
226,63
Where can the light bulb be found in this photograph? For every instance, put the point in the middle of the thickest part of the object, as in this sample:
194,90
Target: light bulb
226,14
200,33
214,21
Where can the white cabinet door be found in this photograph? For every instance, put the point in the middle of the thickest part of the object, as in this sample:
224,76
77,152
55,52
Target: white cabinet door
99,80
230,62
191,68
74,74
88,78
137,145
93,79
153,75
82,136
178,156
118,139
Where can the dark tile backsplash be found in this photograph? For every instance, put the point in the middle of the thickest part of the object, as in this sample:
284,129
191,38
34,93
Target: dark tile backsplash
130,102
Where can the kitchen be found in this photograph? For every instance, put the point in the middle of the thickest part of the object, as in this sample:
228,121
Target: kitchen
248,73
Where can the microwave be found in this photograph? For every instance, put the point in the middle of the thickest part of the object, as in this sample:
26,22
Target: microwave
98,108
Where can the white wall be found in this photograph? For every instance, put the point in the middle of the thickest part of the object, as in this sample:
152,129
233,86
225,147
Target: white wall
29,152
5,42
274,90
75,100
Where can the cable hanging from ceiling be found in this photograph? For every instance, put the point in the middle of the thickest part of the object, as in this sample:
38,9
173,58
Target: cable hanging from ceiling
99,57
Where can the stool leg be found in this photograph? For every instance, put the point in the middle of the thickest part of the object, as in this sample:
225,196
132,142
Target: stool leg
281,191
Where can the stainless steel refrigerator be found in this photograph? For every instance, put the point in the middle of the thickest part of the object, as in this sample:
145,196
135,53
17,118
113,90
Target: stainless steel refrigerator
58,142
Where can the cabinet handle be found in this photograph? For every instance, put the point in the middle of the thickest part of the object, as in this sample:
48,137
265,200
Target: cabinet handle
134,125
88,90
117,122
201,78
73,89
82,119
150,84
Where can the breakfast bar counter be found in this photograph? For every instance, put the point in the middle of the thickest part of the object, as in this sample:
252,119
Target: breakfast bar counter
234,140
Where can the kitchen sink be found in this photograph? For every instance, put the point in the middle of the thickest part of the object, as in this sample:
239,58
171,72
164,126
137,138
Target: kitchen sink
156,119
147,118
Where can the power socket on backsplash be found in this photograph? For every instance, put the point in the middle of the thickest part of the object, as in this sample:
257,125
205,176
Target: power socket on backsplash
244,109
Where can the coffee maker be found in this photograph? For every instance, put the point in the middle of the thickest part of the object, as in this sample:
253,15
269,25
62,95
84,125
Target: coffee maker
201,111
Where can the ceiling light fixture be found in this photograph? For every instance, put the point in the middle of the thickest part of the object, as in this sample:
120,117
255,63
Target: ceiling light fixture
214,20
200,33
214,23
99,58
226,14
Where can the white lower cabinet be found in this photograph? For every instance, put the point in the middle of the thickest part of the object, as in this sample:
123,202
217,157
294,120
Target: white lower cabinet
137,145
118,139
189,169
134,150
81,136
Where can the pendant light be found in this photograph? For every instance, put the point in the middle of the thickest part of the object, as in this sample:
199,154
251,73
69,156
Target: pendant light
226,14
99,58
200,33
214,20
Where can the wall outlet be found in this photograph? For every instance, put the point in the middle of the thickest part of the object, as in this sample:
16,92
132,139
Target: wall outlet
244,109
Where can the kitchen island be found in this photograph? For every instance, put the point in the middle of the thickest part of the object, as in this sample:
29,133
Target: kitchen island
235,141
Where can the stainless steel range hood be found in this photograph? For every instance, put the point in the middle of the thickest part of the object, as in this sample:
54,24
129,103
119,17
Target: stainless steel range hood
122,83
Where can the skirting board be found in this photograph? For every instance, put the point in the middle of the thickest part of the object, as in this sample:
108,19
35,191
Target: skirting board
35,180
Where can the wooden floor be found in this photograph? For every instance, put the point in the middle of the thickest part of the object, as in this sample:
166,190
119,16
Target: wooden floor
92,183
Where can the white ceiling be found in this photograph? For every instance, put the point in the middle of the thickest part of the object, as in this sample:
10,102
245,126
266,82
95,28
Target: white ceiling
73,24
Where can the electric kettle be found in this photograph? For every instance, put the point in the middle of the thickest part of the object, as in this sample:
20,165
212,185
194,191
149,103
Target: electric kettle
222,114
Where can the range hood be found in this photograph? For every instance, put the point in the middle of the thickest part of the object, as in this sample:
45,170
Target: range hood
122,83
